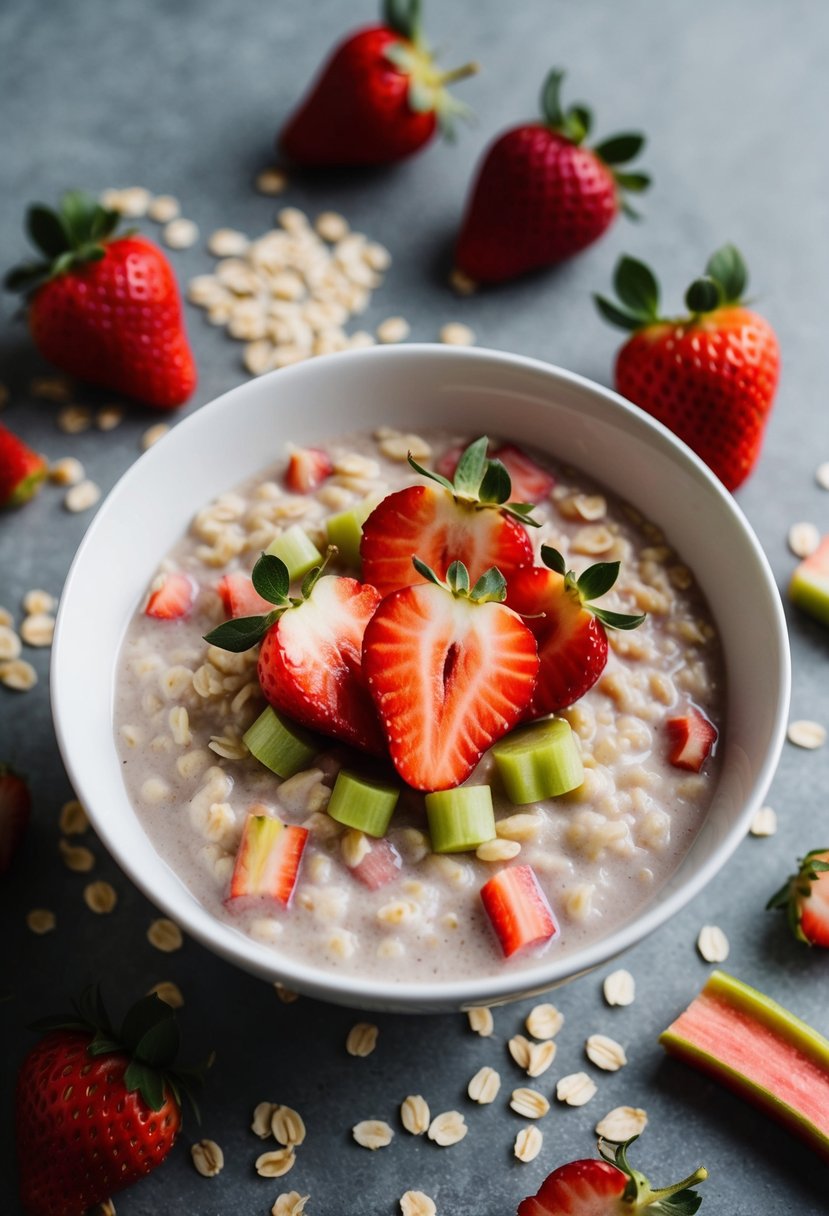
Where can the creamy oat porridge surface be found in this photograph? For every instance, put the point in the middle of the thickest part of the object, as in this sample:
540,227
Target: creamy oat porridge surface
600,852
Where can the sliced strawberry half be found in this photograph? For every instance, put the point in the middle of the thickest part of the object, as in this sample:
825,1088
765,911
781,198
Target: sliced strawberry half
568,627
805,899
310,663
15,811
530,483
267,863
240,597
609,1187
307,469
173,599
518,909
381,865
450,670
691,738
469,520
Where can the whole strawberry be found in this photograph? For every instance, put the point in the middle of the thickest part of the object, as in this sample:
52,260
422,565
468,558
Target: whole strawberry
21,470
378,99
804,897
541,196
104,308
710,377
94,1109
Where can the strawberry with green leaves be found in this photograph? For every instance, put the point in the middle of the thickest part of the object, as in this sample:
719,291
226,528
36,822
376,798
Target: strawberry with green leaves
559,608
102,307
379,98
804,897
97,1108
541,195
709,376
22,471
469,519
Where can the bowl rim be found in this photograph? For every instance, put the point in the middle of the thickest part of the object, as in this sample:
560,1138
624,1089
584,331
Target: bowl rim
356,990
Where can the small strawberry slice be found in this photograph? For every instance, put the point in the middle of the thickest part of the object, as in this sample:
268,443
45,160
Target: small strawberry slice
518,909
307,469
267,863
609,1187
691,738
468,520
240,597
450,670
569,629
805,898
310,660
379,866
21,470
530,483
173,599
15,811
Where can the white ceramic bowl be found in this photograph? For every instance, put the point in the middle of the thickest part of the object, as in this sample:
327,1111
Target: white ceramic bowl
412,387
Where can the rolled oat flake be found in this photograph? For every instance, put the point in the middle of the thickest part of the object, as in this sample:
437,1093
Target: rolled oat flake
809,735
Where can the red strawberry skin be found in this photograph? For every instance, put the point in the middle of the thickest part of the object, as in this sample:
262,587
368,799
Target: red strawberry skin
572,643
240,597
15,812
538,199
711,382
21,470
429,523
814,909
310,663
449,677
118,322
80,1135
358,112
580,1188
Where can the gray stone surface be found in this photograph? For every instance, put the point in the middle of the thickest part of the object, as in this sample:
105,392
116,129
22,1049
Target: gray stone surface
184,98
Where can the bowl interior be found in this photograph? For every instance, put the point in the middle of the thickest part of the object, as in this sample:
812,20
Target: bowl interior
475,392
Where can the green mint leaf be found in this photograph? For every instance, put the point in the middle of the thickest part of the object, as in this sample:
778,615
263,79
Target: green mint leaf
496,486
620,148
597,580
242,633
471,468
610,312
271,579
618,620
490,586
636,286
704,295
553,560
727,268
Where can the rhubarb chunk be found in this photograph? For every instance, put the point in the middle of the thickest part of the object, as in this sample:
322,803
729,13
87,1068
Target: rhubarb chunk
460,819
540,761
761,1051
280,744
295,548
518,909
360,803
380,865
809,588
691,738
267,863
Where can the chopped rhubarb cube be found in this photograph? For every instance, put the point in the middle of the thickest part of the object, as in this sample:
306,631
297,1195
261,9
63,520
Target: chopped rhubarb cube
173,599
307,469
267,863
518,909
379,866
691,738
530,483
240,597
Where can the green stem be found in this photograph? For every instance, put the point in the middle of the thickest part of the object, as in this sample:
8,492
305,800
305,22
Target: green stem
650,1197
461,73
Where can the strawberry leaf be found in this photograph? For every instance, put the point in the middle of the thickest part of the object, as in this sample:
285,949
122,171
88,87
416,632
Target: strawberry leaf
684,1203
457,576
618,620
141,1018
146,1081
553,560
551,99
704,295
616,316
635,182
522,511
438,477
160,1044
77,211
496,486
242,633
620,148
636,286
271,579
27,275
471,468
46,230
403,16
728,269
491,586
597,580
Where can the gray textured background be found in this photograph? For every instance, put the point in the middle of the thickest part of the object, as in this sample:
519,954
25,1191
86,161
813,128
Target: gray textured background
184,98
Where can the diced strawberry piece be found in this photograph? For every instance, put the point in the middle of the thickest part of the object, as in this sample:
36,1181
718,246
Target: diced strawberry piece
379,866
267,863
691,738
307,469
518,909
173,599
240,597
530,483
15,811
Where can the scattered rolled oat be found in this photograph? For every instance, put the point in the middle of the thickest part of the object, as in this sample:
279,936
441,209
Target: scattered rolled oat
362,1039
271,181
40,920
541,1057
456,334
133,201
331,226
712,944
804,539
416,1203
519,1049
76,857
462,283
163,208
621,1123
764,822
51,388
108,418
73,419
153,434
72,820
82,496
447,1128
36,602
262,1116
809,735
66,472
275,1163
484,1086
6,619
180,233
168,992
544,1021
528,1143
822,475
227,243
529,1103
289,1203
38,629
208,1158
575,1089
18,675
605,1052
287,1126
619,988
100,897
286,995
165,935
372,1134
10,645
393,329
480,1020
414,1114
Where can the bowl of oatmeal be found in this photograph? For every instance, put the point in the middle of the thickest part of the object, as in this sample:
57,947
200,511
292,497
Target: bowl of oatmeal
313,856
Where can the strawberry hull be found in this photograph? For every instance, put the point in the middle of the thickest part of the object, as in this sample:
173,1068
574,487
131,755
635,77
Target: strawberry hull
759,1050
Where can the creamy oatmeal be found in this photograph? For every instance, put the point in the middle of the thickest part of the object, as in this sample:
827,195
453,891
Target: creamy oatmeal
599,852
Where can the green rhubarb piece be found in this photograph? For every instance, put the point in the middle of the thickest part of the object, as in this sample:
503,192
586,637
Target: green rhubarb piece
761,1051
360,803
345,530
539,761
460,819
295,548
280,745
809,587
